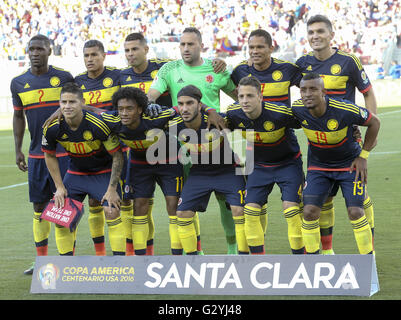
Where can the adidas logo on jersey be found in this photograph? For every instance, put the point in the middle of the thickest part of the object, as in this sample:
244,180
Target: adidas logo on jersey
309,68
180,80
305,123
83,87
27,86
241,125
128,78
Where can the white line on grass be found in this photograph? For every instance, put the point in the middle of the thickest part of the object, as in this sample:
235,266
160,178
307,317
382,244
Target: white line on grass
13,186
386,152
386,113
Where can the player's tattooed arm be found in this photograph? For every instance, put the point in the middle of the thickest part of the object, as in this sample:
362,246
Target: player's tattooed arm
111,195
117,167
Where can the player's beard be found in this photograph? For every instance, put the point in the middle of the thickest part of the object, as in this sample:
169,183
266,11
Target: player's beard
192,118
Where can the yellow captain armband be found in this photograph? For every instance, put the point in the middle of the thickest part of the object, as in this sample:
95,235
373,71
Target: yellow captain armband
364,154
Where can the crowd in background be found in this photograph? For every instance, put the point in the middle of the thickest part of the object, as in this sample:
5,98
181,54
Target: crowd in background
362,27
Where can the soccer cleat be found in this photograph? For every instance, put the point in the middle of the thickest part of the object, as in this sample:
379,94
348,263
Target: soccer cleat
328,252
29,271
200,253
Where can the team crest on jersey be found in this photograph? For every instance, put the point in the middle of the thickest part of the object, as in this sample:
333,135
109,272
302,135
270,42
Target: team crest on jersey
209,78
154,73
332,124
364,113
87,135
277,75
335,69
44,141
364,77
55,81
268,125
107,82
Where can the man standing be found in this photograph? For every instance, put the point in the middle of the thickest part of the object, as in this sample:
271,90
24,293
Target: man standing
204,147
36,94
334,157
276,77
139,74
277,160
198,71
95,166
135,130
342,73
98,84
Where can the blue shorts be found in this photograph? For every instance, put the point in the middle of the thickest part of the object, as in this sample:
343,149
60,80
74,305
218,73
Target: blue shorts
289,178
142,179
41,185
319,186
198,187
94,186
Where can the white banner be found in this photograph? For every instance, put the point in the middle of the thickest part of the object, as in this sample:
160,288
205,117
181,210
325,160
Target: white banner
351,275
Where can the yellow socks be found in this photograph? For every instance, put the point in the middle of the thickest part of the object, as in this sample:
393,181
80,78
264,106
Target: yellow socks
253,230
140,232
242,244
311,235
363,235
116,236
369,213
187,234
326,222
197,230
151,233
41,232
175,242
294,224
96,222
263,218
65,240
127,212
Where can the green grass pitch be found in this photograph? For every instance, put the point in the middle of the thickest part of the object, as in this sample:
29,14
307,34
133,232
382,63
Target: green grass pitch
17,248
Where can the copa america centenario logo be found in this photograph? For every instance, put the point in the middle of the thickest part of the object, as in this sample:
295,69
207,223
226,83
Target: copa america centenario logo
48,275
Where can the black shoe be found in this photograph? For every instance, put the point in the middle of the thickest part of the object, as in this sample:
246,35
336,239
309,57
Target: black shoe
29,271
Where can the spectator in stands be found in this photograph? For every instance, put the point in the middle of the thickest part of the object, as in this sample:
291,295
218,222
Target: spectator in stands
395,70
380,72
70,23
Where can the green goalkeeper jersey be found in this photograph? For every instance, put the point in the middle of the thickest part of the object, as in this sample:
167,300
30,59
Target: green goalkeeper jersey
175,75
